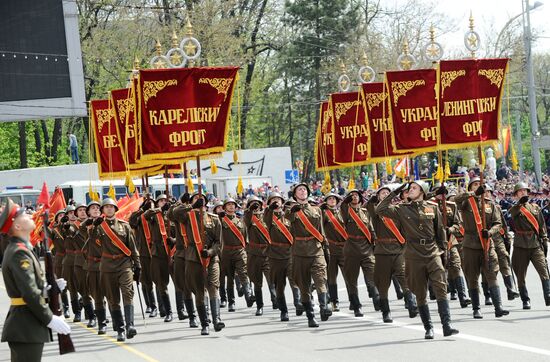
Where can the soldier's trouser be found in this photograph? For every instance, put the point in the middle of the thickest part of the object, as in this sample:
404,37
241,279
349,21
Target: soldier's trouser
419,271
304,268
520,262
68,274
336,261
257,266
234,261
385,267
475,264
198,281
503,259
160,273
58,269
352,264
116,283
179,277
280,270
81,284
454,266
96,289
26,352
145,276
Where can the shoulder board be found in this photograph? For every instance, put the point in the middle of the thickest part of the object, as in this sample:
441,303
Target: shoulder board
123,222
215,216
432,203
451,203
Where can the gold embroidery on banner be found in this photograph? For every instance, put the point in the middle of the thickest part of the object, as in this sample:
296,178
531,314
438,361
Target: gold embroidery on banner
495,76
374,99
327,115
103,116
343,108
221,84
124,106
151,88
401,88
448,77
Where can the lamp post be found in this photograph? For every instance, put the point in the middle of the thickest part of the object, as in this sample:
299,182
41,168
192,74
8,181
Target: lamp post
537,4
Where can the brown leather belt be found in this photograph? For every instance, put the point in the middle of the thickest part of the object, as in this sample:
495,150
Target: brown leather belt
337,243
113,257
386,240
357,237
232,247
60,254
422,241
305,238
255,245
524,232
284,245
94,259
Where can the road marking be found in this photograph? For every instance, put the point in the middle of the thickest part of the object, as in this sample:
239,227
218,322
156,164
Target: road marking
120,344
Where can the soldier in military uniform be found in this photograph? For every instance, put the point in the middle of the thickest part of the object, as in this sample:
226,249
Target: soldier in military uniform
29,317
233,254
425,246
119,267
336,235
480,225
309,252
359,249
258,240
68,261
202,269
92,252
217,208
530,243
390,244
279,250
59,254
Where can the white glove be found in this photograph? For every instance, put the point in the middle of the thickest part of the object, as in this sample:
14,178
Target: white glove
61,284
58,325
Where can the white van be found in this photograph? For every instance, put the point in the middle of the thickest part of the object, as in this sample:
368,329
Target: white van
21,195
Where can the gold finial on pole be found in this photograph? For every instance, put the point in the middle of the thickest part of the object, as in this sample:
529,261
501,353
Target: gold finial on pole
343,69
432,34
158,48
365,59
136,63
471,21
471,38
406,60
188,28
174,39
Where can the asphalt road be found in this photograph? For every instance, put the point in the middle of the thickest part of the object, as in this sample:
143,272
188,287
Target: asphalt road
521,336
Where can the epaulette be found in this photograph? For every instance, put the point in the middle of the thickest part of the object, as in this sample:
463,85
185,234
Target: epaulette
432,202
450,202
213,215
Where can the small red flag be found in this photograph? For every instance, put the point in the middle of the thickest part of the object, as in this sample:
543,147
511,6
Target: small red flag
44,197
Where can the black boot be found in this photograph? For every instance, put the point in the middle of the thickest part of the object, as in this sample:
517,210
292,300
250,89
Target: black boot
216,318
385,308
118,325
445,315
373,293
281,302
355,305
410,299
273,294
90,316
230,299
223,293
452,288
259,301
247,294
497,302
524,295
180,307
486,293
152,303
311,322
240,287
546,291
324,307
101,325
207,307
65,302
167,307
333,294
510,287
129,316
398,289
461,291
424,311
75,304
297,302
474,293
162,311
201,310
431,291
146,298
191,312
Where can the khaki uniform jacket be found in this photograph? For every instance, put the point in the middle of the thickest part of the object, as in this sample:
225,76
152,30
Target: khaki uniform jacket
524,234
453,219
228,236
58,244
79,241
70,247
386,241
109,249
492,219
84,234
92,249
139,234
421,226
504,230
157,243
335,241
180,244
357,243
280,246
304,243
255,236
24,278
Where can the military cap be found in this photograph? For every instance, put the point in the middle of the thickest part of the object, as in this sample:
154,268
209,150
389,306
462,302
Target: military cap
521,186
274,195
301,184
423,185
109,201
472,180
332,194
9,214
229,201
161,197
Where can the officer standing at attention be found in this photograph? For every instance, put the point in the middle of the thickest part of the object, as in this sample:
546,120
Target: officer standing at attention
29,317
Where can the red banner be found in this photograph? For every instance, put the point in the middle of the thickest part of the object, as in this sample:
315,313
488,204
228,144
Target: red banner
324,140
123,105
413,110
376,103
350,130
184,112
469,104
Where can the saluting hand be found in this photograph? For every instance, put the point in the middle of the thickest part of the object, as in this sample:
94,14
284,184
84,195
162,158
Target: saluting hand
402,187
480,190
254,206
523,200
274,206
88,222
295,208
64,219
98,221
441,190
185,198
323,206
221,214
485,234
199,203
348,199
166,207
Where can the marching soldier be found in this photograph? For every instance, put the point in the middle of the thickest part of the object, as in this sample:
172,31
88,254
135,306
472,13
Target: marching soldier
233,255
278,251
68,260
478,248
309,252
359,249
258,240
425,247
92,251
336,235
390,244
59,254
160,251
119,266
217,208
530,243
202,270
29,317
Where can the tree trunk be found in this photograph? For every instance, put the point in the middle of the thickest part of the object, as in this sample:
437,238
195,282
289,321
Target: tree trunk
47,144
23,146
37,138
56,138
